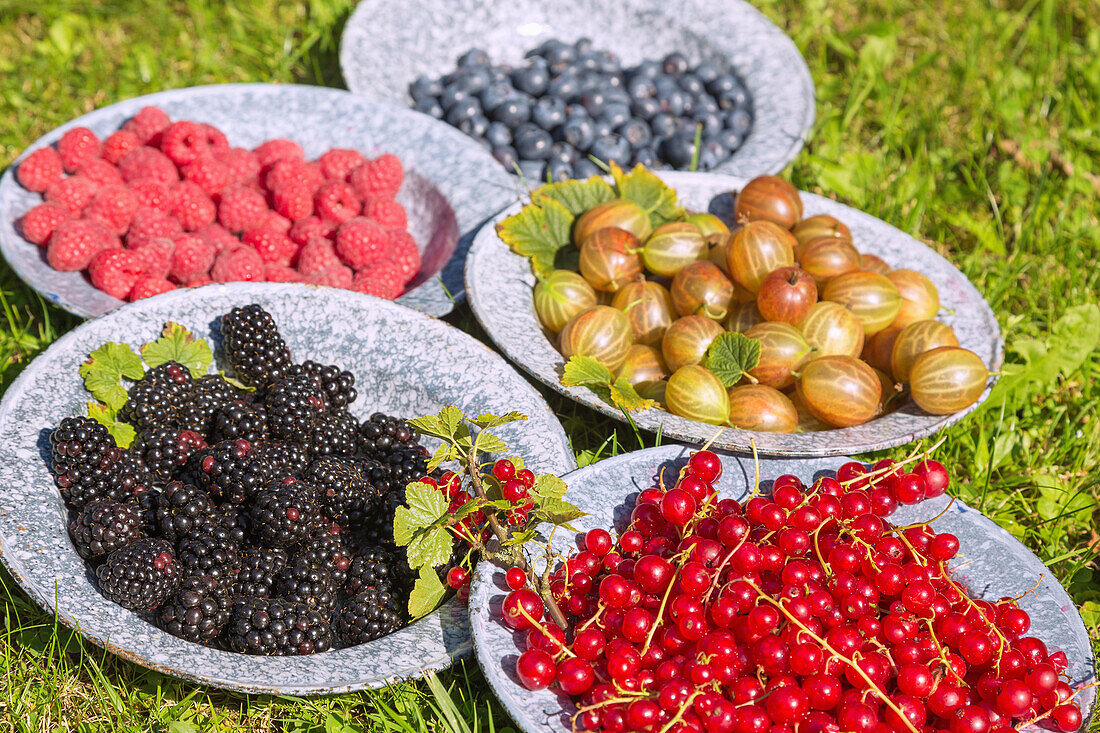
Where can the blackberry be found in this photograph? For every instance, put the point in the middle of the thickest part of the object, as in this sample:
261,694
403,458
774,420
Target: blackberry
210,550
103,527
379,568
198,610
234,519
382,432
140,576
312,586
239,420
79,442
293,406
231,471
259,566
118,477
283,515
367,616
343,492
376,528
325,550
254,347
179,508
158,399
165,450
338,385
283,459
334,434
207,396
275,626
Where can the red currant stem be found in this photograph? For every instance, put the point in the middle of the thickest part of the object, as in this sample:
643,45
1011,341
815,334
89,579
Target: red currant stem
680,713
940,649
722,566
914,525
593,619
659,618
582,709
817,549
756,467
1001,640
847,660
1044,715
916,455
538,625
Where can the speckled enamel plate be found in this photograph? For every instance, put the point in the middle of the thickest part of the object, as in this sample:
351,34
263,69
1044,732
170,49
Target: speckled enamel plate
991,564
500,282
385,46
405,364
452,184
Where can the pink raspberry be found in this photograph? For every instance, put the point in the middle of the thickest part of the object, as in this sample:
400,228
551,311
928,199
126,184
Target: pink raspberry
338,163
272,151
243,165
361,242
274,247
306,229
114,271
184,142
77,146
113,207
211,175
148,285
218,237
387,272
316,255
363,283
148,124
273,220
74,193
155,255
192,207
151,193
381,177
119,144
39,170
193,256
40,222
99,171
404,254
293,200
241,208
337,276
293,171
240,263
198,282
75,243
216,139
152,223
281,274
337,201
146,162
386,212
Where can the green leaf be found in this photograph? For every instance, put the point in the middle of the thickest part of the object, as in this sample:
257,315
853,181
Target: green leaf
123,433
445,452
625,397
426,594
489,420
104,370
517,462
558,511
489,443
520,538
642,187
577,196
586,371
451,417
538,231
178,344
421,526
429,425
548,486
181,726
731,355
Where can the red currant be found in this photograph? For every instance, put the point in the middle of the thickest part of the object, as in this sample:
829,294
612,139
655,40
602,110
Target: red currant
535,669
457,577
516,578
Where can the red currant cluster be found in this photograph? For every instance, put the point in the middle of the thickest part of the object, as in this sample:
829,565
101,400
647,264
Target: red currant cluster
803,611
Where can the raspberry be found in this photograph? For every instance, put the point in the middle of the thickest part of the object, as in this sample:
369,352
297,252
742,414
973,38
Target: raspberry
361,242
192,257
388,273
306,229
316,255
378,288
155,254
39,170
40,222
75,243
218,237
337,201
151,193
148,285
293,200
272,151
192,207
152,223
281,274
240,263
74,193
294,171
114,271
211,175
274,247
216,139
184,142
113,207
148,124
240,208
338,163
198,282
379,177
146,162
337,276
274,221
76,146
119,144
404,254
244,167
386,212
99,171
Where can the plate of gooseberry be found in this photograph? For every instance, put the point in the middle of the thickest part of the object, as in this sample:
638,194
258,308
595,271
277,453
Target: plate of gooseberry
806,327
705,594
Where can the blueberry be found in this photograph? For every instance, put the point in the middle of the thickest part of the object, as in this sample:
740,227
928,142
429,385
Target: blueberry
722,84
678,150
594,102
474,79
710,121
616,95
498,134
611,148
637,133
609,63
549,112
512,112
648,69
506,156
474,57
601,128
463,109
560,53
498,75
615,115
707,72
424,88
665,86
691,84
674,63
563,151
494,95
585,168
645,108
564,86
474,125
532,80
534,171
641,87
739,120
533,144
452,94
663,125
559,170
704,103
429,106
711,155
591,81
644,156
579,132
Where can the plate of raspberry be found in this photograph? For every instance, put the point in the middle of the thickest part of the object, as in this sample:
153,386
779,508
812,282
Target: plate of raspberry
808,644
318,185
404,364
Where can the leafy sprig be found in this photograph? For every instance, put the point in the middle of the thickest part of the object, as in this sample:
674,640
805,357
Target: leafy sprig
587,371
731,355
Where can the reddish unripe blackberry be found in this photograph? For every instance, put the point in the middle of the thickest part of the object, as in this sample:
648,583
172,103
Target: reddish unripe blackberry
324,550
230,470
338,384
105,526
165,450
179,508
140,576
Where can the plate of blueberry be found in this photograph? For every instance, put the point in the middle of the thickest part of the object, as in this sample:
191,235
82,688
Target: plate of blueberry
205,482
554,90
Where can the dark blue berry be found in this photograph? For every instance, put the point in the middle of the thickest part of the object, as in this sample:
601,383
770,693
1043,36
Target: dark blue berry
733,99
563,152
739,120
559,170
532,80
474,126
691,84
663,125
425,88
583,44
430,106
498,133
463,109
564,86
585,168
644,156
533,144
549,112
594,102
579,132
615,115
649,69
674,63
729,139
611,148
534,171
637,133
494,95
506,156
707,72
645,108
679,149
513,112
452,95
641,87
474,57
710,121
722,84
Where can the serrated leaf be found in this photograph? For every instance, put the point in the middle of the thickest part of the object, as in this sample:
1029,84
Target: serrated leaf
426,594
421,525
489,443
548,486
467,509
123,433
488,420
586,371
429,425
575,195
731,355
644,188
558,511
625,397
517,462
451,417
178,344
538,231
521,538
105,369
445,452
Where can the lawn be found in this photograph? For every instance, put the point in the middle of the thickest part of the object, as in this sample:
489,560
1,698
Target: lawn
971,124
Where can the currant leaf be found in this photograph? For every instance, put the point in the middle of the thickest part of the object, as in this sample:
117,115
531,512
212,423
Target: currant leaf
105,369
178,344
426,594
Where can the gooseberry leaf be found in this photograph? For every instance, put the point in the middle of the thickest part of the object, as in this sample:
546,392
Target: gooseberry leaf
577,196
123,433
626,397
422,525
644,188
427,592
538,231
178,344
731,355
488,420
586,371
105,369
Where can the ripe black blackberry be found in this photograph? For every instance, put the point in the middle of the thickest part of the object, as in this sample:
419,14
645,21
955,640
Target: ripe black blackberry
234,519
259,566
198,610
208,394
283,458
367,616
120,476
275,626
325,550
338,384
283,514
210,549
376,526
334,434
345,495
380,568
382,432
140,576
293,405
231,471
165,450
239,419
83,455
254,347
105,526
158,399
312,586
179,508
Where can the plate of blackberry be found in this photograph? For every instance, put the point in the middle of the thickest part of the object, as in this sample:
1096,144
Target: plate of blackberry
252,511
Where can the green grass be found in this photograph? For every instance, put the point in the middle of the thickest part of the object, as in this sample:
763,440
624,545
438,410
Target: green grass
970,124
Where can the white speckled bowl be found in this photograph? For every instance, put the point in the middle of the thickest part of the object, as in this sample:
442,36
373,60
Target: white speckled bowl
386,45
499,284
992,564
448,175
405,363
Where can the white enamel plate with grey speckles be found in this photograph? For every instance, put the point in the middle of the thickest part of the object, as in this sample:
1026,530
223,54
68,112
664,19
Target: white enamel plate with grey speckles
405,364
991,564
386,45
451,187
499,285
